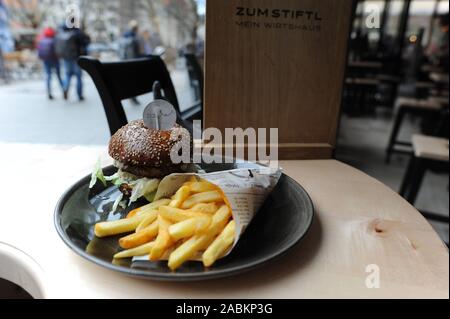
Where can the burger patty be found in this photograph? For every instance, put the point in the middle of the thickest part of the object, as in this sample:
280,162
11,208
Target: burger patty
150,172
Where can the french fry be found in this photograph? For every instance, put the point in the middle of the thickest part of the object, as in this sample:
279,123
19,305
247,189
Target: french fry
148,207
220,245
163,241
117,227
189,227
138,251
199,242
201,187
137,239
133,212
206,197
184,252
191,180
177,215
209,208
180,196
147,221
218,223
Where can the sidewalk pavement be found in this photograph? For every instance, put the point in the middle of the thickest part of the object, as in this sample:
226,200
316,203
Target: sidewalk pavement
27,116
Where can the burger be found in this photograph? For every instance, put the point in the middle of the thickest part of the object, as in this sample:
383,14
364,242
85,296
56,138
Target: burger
143,157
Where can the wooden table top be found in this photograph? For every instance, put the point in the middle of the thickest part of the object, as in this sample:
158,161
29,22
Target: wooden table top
359,223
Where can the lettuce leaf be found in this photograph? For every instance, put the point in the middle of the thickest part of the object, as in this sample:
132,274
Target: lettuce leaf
97,174
150,197
142,187
117,203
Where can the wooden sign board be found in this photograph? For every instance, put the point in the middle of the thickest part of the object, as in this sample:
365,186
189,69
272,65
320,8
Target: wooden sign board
278,64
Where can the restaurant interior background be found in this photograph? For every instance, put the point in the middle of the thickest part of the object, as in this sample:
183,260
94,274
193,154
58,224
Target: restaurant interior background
396,81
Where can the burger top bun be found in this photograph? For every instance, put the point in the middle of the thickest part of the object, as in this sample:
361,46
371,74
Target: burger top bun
146,152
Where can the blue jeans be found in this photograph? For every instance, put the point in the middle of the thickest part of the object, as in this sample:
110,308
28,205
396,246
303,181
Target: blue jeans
49,66
72,69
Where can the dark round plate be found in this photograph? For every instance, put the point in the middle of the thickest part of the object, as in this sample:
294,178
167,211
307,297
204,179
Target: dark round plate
280,224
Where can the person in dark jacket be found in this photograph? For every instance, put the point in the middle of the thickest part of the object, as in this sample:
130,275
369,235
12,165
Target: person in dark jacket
3,74
130,47
71,43
131,43
47,53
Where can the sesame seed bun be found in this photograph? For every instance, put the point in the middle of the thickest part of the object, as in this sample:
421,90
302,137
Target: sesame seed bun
145,152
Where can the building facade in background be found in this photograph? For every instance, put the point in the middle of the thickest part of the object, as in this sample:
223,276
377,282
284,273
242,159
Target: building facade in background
175,21
6,39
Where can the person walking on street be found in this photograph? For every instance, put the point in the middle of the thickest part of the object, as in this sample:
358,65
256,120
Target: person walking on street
2,66
150,42
47,53
71,43
130,47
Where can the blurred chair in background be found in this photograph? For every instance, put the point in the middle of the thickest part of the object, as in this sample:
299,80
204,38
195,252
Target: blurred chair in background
430,154
196,79
429,108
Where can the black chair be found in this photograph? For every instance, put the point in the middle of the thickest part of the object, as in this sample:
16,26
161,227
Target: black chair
118,81
360,95
429,154
196,79
424,109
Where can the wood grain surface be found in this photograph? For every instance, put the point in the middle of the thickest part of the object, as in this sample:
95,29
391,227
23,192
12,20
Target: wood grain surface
278,71
359,222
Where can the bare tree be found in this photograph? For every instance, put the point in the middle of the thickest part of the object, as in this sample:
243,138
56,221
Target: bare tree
25,13
176,21
185,13
150,9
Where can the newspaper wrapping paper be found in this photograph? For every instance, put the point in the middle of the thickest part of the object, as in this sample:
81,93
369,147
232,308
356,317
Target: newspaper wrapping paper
245,189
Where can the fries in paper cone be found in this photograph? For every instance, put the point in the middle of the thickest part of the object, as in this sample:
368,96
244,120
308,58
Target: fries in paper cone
194,217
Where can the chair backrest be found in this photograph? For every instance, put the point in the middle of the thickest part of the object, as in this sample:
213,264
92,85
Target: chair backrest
442,128
117,81
195,71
